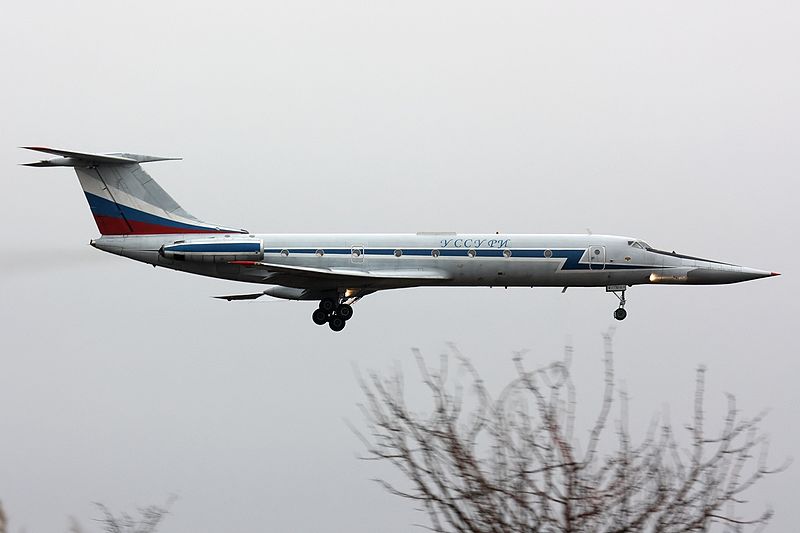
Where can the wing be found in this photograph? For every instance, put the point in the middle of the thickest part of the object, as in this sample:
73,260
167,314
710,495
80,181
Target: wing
321,278
231,297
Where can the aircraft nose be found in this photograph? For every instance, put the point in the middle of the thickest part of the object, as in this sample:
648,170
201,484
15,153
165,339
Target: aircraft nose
711,275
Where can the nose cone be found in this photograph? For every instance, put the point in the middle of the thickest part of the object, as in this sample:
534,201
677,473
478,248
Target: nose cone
712,275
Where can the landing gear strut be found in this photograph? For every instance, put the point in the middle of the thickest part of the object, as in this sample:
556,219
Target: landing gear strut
334,313
619,291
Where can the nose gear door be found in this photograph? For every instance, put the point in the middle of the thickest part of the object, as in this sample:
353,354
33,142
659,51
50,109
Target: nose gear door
597,257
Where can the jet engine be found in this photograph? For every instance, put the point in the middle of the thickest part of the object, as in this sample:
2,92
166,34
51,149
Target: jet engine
214,250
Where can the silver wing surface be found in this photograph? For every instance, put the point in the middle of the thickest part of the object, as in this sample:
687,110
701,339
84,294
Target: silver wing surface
336,278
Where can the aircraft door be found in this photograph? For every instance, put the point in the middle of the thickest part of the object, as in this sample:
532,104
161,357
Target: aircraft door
597,257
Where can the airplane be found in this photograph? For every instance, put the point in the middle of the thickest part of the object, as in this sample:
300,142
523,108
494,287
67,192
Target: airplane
137,219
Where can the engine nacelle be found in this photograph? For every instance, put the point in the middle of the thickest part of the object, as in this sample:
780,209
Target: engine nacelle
287,293
214,250
291,293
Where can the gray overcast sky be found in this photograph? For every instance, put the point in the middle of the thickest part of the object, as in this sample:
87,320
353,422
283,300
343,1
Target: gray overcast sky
674,122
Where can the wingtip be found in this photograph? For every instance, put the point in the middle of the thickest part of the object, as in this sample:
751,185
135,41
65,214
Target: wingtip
774,273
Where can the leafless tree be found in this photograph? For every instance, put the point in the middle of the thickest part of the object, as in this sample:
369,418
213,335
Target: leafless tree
147,522
513,464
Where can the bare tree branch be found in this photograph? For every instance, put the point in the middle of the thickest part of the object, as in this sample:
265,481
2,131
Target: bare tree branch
512,464
147,522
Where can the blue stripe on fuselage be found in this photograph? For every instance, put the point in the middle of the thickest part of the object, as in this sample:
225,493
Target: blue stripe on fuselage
572,257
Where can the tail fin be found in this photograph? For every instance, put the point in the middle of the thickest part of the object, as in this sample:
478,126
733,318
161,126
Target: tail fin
124,199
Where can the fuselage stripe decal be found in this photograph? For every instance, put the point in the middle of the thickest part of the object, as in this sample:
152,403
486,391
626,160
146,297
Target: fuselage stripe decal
572,257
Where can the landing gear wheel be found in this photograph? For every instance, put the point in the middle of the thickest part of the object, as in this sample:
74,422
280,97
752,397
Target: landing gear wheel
336,323
619,292
319,317
327,305
345,311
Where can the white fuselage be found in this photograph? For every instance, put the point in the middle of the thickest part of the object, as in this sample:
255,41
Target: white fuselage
526,260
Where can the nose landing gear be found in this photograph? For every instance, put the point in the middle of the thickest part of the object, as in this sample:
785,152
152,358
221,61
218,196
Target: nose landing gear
619,292
334,313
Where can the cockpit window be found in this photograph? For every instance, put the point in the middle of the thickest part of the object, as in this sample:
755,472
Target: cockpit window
639,244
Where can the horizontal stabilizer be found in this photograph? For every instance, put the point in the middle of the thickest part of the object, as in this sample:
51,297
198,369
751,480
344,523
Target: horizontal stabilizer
68,158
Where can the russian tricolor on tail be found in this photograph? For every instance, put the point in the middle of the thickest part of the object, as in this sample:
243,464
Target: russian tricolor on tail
123,198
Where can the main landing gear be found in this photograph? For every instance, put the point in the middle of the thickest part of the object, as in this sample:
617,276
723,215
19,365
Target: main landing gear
619,291
335,314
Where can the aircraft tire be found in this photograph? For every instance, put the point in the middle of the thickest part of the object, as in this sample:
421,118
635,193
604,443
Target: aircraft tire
319,317
327,305
336,323
620,314
345,311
